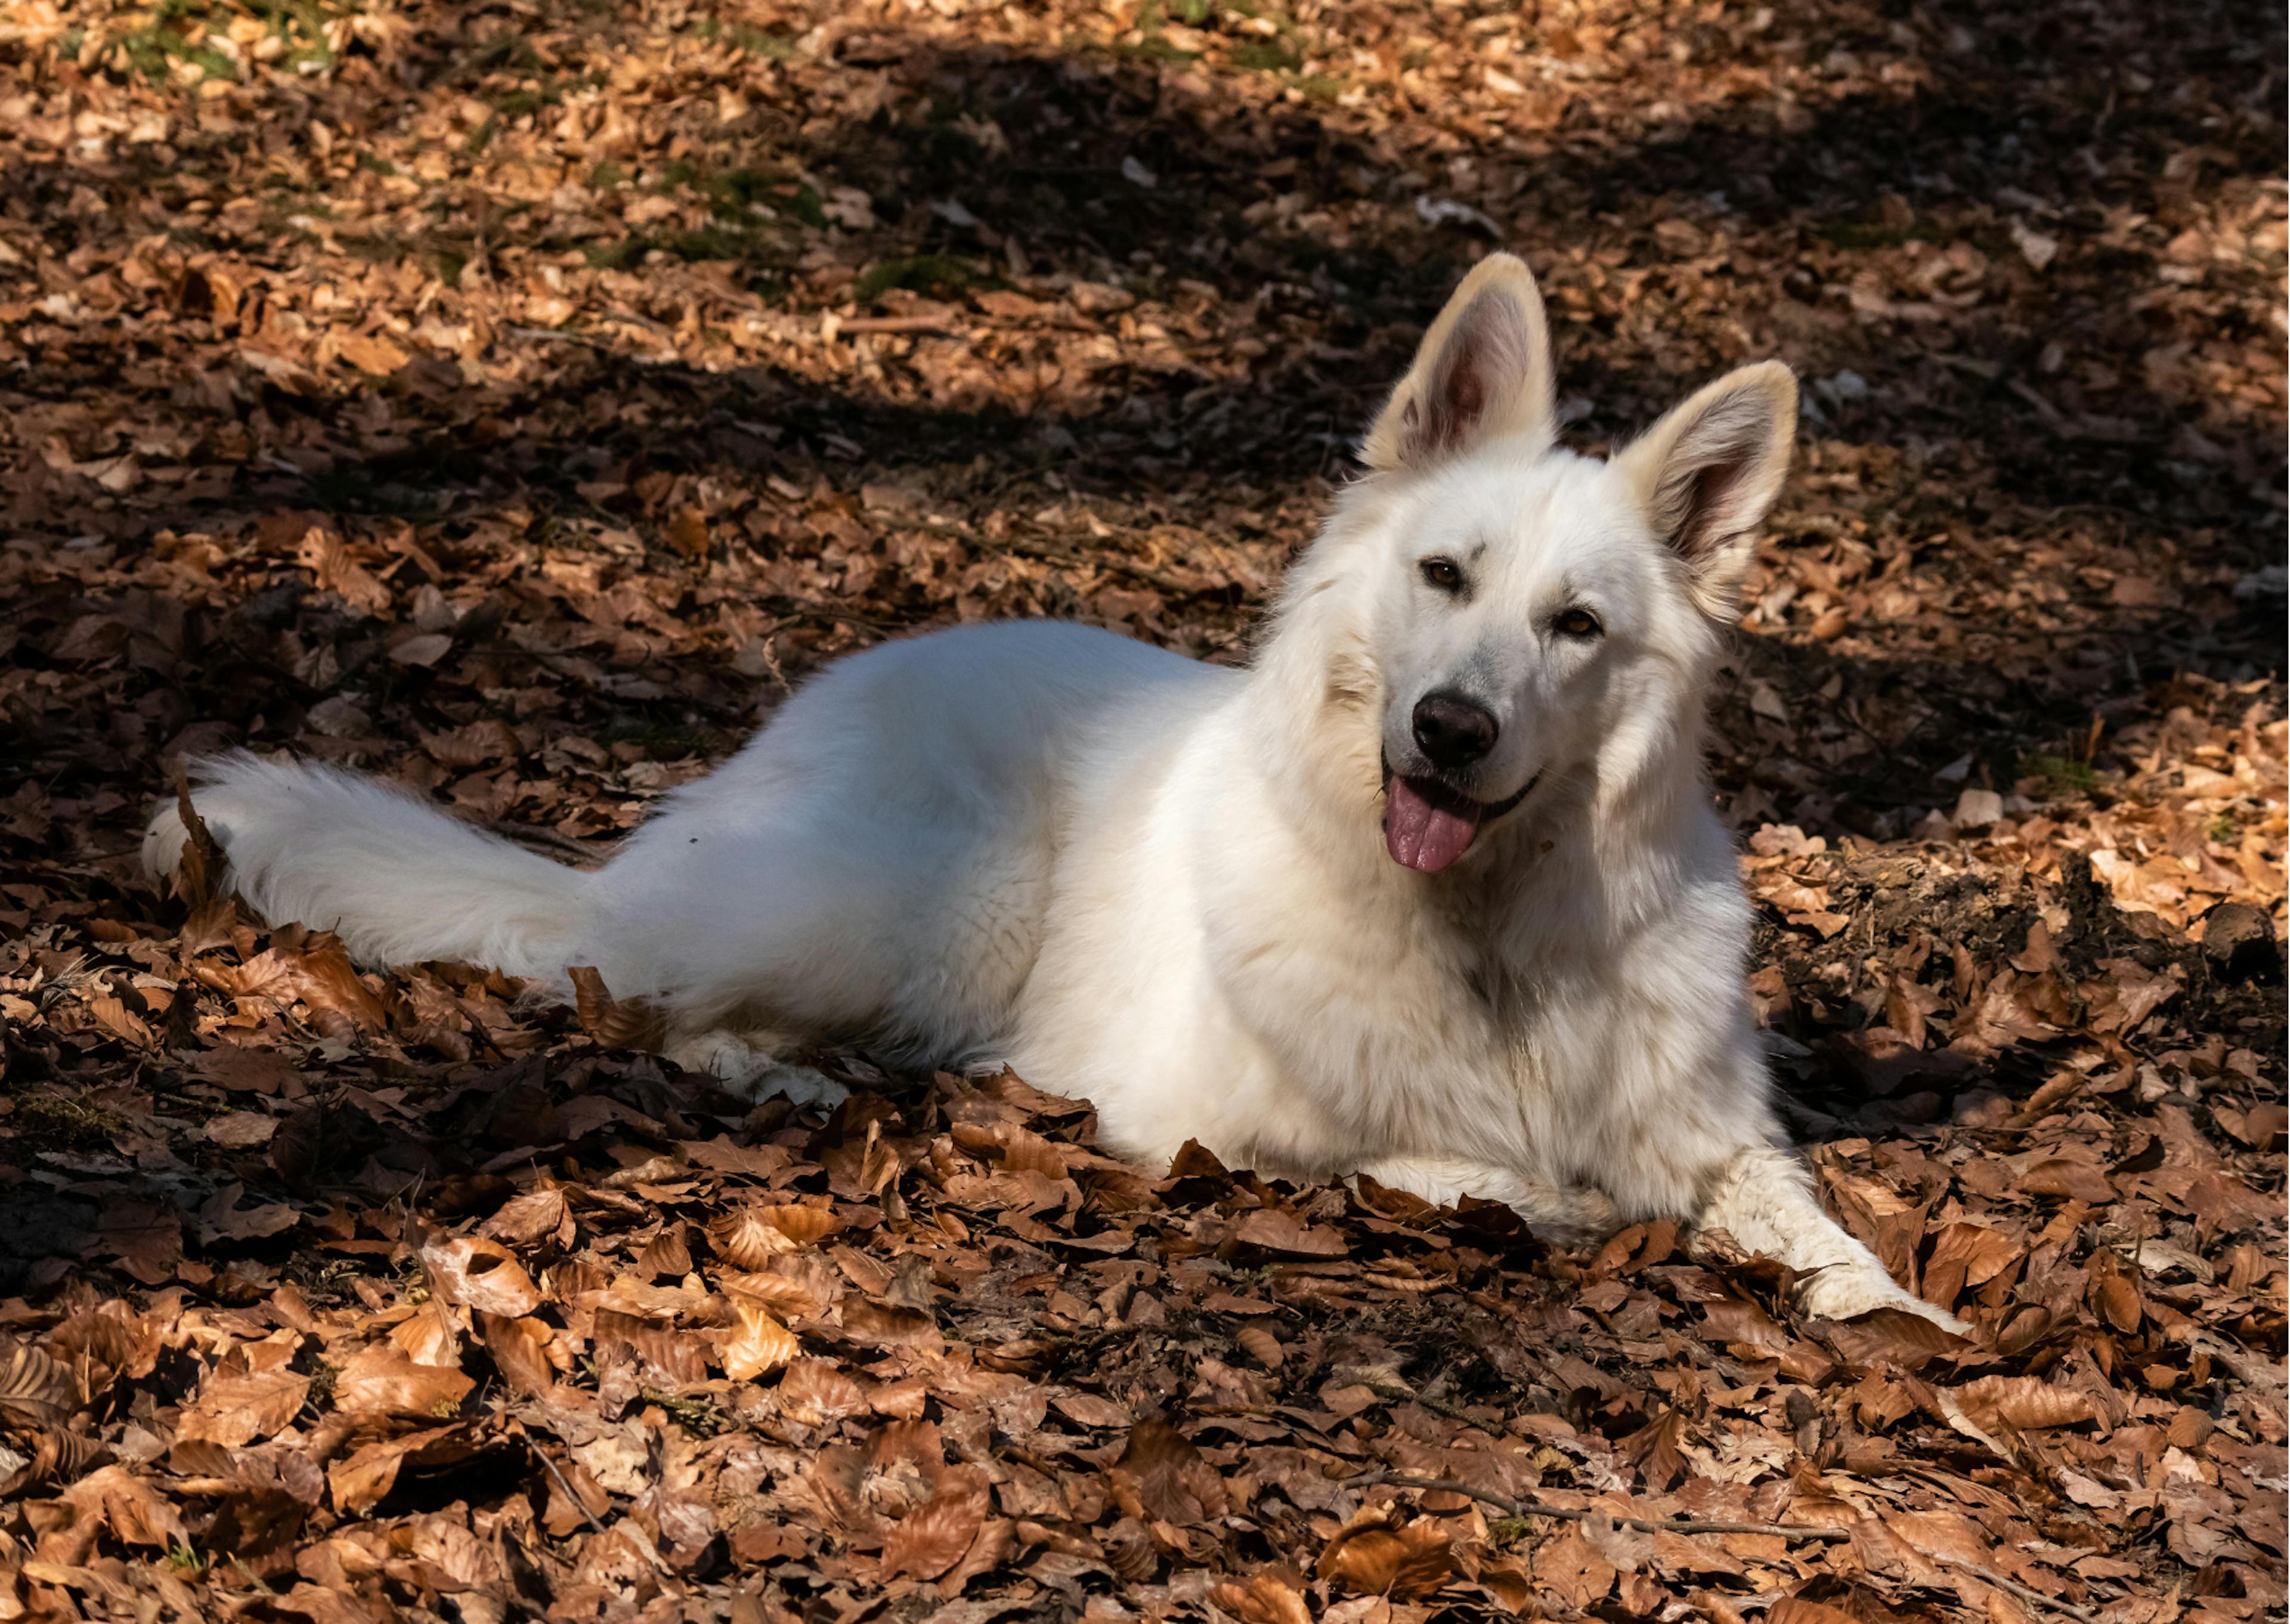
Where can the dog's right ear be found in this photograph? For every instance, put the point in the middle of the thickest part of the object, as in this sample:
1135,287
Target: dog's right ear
1708,472
1483,372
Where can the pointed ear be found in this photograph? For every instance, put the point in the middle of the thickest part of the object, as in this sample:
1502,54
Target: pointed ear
1482,371
1707,473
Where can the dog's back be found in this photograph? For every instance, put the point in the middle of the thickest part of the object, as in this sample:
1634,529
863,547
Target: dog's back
878,862
875,863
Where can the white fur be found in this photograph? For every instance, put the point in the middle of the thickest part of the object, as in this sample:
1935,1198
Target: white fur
1161,885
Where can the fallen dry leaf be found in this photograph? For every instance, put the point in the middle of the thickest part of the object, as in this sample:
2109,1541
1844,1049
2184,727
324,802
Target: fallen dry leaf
757,1343
381,1381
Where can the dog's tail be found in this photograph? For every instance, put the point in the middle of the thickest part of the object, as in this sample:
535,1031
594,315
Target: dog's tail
398,881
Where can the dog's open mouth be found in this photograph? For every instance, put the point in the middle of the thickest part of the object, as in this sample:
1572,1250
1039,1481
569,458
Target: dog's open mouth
1427,825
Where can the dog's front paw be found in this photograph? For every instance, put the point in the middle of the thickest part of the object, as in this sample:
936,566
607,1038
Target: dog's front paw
1843,1293
752,1073
803,1085
1571,1215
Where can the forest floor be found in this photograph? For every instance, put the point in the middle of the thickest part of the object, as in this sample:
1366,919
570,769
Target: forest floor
515,398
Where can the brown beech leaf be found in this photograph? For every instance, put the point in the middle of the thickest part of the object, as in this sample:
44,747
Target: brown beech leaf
525,1219
2022,1404
1571,1567
781,1293
757,1343
742,1239
688,1302
133,1508
147,1240
1654,1449
1370,1557
237,1411
202,863
1891,1336
1162,1477
104,1343
880,1326
1090,1410
430,1336
2115,1291
325,979
327,558
358,1483
479,1274
1273,1596
1278,1231
1263,1346
617,1024
36,1389
805,1225
370,353
746,1236
667,1255
2063,1176
519,1348
938,1534
1799,1610
816,1392
687,532
381,1381
2127,996
1966,1257
56,1456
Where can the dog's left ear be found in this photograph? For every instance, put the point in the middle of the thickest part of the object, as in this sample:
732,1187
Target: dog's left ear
1707,473
1482,371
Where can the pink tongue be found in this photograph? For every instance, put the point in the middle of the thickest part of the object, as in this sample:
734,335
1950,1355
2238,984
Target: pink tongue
1419,835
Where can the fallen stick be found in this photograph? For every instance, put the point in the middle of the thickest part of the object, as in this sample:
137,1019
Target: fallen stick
898,323
2013,1587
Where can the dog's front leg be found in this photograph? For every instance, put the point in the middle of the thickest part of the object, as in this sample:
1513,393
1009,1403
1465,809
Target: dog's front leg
746,1063
1568,1213
1763,1197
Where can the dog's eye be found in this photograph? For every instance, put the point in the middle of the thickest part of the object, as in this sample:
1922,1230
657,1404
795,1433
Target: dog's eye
1579,623
1442,573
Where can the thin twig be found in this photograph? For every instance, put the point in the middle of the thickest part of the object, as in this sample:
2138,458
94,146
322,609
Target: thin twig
1570,1514
898,323
804,610
1438,1406
551,332
2013,1587
658,1563
579,1504
602,346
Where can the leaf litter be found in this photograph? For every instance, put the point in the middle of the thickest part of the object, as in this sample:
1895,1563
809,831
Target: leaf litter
503,401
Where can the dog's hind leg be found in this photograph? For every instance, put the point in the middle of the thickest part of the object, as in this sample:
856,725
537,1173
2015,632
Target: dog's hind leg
1569,1213
746,1063
1763,1197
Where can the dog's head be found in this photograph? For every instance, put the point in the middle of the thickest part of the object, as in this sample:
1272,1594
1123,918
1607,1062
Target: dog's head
1529,617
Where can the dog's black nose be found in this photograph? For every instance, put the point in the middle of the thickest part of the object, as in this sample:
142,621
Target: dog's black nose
1453,732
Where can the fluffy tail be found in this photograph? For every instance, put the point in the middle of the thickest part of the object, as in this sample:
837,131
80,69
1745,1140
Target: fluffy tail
400,882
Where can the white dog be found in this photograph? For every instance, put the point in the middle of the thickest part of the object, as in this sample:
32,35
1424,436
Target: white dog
1432,892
